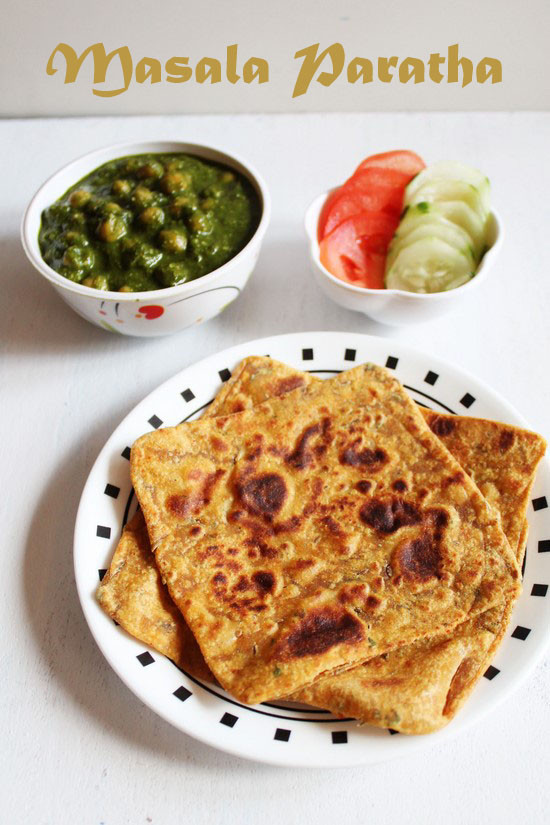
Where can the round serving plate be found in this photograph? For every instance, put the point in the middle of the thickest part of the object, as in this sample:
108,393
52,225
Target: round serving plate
274,732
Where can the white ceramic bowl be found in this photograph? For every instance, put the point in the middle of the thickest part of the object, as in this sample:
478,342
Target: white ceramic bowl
395,306
159,311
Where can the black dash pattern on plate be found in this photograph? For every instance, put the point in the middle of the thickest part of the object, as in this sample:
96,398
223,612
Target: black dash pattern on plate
282,735
307,354
391,362
540,503
467,400
111,490
145,658
491,672
229,720
182,693
126,453
339,737
350,354
539,590
155,422
101,573
431,377
544,546
188,395
521,633
103,532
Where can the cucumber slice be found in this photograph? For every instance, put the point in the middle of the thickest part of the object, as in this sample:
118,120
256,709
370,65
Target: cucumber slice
428,265
414,227
436,190
456,212
452,170
460,213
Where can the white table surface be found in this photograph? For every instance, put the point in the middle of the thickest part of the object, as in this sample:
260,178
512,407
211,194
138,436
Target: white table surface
77,746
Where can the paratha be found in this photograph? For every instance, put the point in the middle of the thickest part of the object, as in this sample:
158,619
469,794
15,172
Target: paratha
500,459
419,688
132,594
136,610
234,506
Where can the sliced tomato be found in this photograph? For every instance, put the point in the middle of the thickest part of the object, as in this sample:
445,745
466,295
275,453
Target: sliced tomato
371,190
355,251
325,211
369,176
386,199
400,160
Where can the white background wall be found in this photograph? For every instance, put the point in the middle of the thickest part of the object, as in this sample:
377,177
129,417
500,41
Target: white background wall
516,33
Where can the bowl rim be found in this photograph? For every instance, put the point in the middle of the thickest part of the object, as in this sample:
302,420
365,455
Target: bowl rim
311,220
32,251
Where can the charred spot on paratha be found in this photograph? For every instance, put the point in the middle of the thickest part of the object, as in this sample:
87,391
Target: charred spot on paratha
399,485
388,515
363,486
354,456
320,630
218,443
264,581
332,526
243,594
441,425
179,505
189,503
303,454
437,517
264,494
292,382
419,559
506,440
341,541
351,593
260,548
456,478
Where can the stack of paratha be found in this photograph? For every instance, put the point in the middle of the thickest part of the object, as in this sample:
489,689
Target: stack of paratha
328,542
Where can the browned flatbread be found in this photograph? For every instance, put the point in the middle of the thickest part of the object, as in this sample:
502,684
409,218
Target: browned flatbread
499,458
431,676
233,531
132,594
419,688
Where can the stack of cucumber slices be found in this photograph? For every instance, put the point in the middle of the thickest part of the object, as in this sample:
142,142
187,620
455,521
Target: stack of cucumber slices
441,236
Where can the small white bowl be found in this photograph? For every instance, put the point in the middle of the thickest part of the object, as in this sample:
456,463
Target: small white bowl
159,311
395,306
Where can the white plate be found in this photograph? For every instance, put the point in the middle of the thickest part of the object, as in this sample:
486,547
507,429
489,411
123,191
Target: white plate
272,732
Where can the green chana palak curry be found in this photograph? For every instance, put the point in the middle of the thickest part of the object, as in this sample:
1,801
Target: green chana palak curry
150,221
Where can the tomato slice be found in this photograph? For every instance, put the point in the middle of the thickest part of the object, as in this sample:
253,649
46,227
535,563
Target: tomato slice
355,251
367,176
370,190
400,160
325,211
386,199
